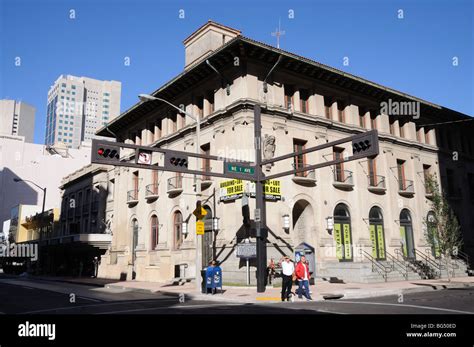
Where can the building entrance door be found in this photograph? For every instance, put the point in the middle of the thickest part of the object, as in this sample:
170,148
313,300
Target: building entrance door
406,235
342,233
377,234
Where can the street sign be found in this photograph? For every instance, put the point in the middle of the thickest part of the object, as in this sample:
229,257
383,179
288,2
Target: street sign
246,250
239,168
199,214
199,227
258,216
144,158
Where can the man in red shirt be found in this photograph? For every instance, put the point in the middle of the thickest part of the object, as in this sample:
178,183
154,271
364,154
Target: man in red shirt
303,276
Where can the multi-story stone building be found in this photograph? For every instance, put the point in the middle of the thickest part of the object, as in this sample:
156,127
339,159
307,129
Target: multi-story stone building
351,214
83,230
78,106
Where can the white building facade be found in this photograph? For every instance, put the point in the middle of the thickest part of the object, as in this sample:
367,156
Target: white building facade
43,165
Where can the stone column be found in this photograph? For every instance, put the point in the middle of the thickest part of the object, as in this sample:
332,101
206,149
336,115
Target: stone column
296,101
318,105
384,124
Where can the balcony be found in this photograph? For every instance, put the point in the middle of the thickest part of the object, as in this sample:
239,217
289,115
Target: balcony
305,178
376,184
132,197
175,185
206,181
151,191
406,188
343,179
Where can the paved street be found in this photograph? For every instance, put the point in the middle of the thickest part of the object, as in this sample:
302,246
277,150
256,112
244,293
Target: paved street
46,297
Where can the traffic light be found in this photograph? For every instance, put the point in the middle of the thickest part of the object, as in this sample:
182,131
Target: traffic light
105,153
365,145
362,145
176,162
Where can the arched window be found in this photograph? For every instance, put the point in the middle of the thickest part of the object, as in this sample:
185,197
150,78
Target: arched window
341,211
432,234
377,234
342,233
375,214
134,226
154,228
405,216
406,234
178,231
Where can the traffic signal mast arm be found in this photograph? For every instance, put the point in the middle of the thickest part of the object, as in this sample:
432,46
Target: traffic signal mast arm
175,161
363,145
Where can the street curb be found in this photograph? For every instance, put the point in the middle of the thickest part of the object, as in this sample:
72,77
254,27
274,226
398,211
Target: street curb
360,295
423,287
90,284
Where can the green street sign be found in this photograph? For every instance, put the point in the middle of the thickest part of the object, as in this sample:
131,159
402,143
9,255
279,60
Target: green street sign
240,169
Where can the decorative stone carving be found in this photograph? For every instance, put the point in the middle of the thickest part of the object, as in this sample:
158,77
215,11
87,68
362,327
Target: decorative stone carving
269,146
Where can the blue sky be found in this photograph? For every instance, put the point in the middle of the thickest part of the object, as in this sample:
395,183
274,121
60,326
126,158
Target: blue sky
413,55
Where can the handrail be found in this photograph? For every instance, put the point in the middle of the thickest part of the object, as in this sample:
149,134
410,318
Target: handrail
428,261
377,265
399,252
463,256
346,177
399,263
376,181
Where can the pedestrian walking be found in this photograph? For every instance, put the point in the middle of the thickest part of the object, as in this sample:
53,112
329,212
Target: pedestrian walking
303,276
287,272
271,271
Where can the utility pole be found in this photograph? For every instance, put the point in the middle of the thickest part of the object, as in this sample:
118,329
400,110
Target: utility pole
261,225
198,198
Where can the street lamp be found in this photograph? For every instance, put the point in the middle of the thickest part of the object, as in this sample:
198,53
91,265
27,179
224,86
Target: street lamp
147,97
43,189
44,195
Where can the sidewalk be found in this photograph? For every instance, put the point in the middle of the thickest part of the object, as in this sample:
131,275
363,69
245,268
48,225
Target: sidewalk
321,291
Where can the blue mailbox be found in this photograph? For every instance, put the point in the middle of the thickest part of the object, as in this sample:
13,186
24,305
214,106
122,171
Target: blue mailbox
213,277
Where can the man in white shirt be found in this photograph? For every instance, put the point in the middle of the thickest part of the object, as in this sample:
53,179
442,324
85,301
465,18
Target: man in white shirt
288,268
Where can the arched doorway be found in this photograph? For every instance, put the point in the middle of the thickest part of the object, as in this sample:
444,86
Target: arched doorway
406,234
303,220
342,233
178,230
377,234
432,234
207,253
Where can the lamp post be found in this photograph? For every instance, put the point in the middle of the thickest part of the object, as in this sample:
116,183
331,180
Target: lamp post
43,189
147,97
44,195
